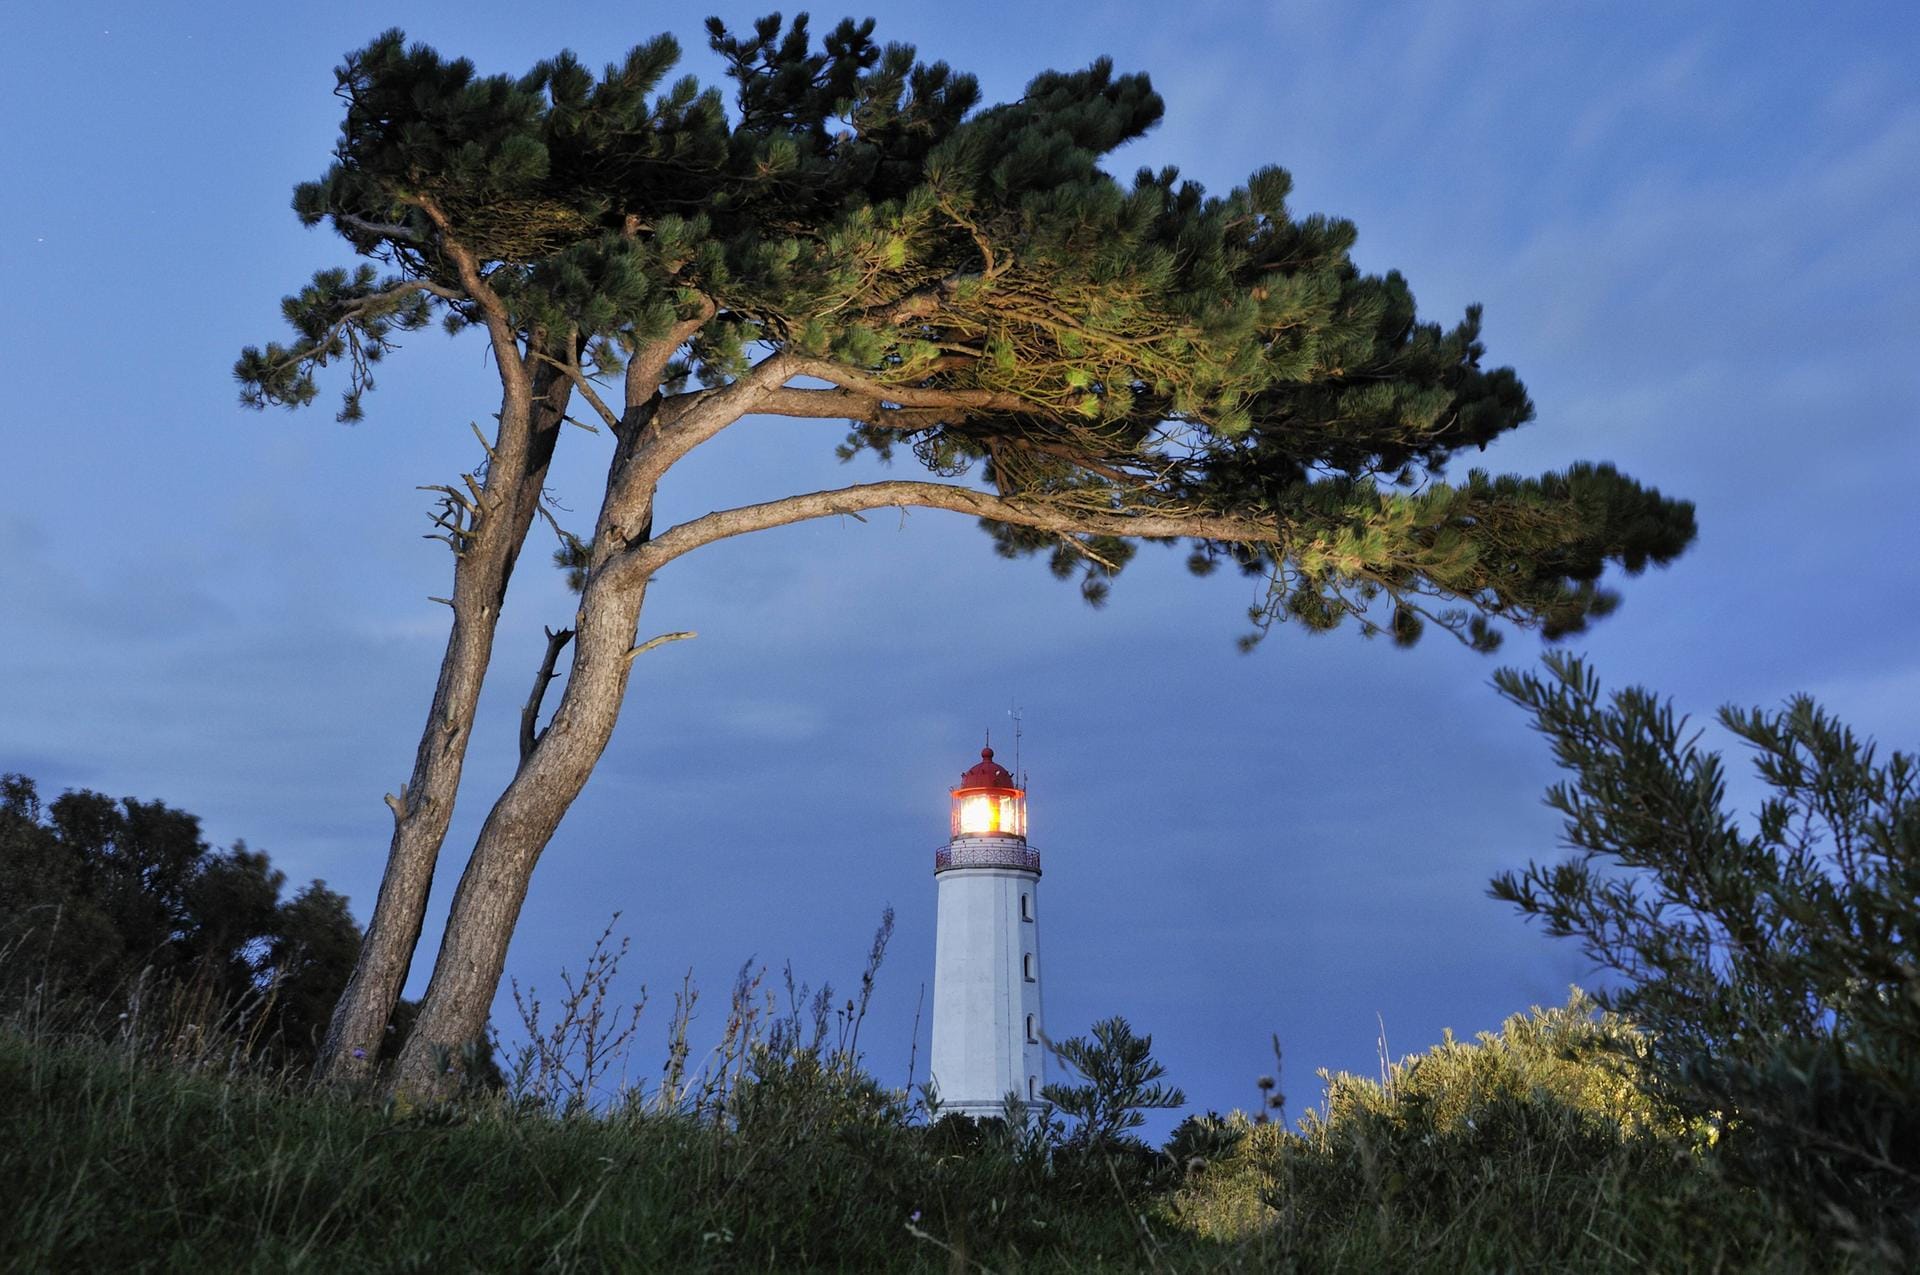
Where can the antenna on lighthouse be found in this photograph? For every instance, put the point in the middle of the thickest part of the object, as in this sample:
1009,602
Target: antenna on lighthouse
1013,711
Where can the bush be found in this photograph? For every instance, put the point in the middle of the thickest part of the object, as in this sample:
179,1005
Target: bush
1772,964
118,919
114,905
1122,1084
1531,1148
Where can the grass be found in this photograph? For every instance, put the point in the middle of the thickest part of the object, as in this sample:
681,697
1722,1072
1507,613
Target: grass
157,1139
114,1164
1469,1158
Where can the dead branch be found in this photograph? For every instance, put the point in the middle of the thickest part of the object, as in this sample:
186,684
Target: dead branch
379,229
1086,551
567,539
584,383
662,640
530,714
453,496
485,445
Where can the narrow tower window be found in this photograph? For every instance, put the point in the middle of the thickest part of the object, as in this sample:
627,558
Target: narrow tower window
1026,907
1027,965
1033,1031
1033,1088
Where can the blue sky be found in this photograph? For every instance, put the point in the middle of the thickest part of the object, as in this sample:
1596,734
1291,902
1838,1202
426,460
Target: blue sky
1691,225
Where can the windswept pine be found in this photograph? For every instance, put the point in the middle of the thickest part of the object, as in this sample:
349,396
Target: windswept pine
1077,361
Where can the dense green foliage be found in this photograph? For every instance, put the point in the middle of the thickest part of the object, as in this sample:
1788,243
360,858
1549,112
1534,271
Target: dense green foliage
984,294
1772,965
1537,1147
1528,1149
104,901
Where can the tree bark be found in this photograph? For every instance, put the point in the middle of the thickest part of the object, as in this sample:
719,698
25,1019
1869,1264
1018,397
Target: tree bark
486,905
622,521
516,479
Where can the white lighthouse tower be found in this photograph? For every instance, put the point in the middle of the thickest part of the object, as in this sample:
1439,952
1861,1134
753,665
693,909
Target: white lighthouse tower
986,964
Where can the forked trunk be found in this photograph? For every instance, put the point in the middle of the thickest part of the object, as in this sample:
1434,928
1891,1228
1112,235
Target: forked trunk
517,477
487,904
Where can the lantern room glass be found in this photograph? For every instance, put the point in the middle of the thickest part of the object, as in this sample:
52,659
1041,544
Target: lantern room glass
989,812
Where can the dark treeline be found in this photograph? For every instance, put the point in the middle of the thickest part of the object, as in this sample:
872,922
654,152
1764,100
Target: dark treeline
104,902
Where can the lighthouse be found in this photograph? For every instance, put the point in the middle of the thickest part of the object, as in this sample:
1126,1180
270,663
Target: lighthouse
986,963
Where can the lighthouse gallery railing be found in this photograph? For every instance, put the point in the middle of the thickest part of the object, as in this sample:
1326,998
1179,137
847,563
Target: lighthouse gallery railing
987,854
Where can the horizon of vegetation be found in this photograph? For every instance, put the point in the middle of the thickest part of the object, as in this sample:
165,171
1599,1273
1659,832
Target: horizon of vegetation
1743,1099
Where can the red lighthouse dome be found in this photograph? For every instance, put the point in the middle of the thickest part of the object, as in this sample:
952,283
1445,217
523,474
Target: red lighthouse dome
987,773
987,802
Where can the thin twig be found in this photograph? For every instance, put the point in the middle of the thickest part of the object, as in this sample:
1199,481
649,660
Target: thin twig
662,640
484,444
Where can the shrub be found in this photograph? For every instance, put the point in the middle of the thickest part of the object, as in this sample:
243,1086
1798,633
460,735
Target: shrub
1122,1084
1530,1148
112,904
1771,963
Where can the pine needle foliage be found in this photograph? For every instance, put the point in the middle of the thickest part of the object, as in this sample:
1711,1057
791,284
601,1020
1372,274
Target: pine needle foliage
985,295
1771,962
1120,1083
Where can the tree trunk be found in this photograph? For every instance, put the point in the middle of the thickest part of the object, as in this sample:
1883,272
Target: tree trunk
486,906
516,479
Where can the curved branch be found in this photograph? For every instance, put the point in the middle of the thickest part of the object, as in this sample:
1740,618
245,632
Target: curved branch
652,643
707,412
833,404
500,330
727,523
649,362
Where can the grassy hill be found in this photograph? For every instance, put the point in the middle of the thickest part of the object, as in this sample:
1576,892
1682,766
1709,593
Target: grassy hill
1519,1151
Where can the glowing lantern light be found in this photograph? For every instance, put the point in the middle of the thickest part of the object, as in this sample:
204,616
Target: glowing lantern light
987,804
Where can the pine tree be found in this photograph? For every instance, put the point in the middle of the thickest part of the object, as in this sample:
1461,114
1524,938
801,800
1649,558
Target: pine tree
857,240
1122,1084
